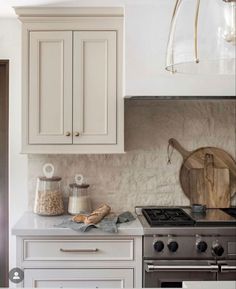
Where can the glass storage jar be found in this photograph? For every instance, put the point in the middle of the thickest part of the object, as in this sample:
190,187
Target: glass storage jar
79,201
48,197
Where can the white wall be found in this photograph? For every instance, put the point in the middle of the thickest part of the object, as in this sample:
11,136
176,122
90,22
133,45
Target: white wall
10,48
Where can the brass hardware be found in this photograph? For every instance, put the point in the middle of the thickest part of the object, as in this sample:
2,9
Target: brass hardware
196,32
77,133
171,33
67,133
78,250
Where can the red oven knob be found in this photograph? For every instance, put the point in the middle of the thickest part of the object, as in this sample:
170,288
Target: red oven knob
201,246
158,246
173,246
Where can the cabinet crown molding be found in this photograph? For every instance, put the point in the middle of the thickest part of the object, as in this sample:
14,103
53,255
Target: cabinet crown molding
69,11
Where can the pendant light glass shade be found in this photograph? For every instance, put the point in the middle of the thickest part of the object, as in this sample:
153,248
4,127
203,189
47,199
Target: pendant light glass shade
202,38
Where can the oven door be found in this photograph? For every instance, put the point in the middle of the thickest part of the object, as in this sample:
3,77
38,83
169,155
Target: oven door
172,273
227,270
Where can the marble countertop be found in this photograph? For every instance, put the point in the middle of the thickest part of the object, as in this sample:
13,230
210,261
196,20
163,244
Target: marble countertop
32,224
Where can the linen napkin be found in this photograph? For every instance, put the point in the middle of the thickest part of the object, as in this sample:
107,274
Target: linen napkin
108,224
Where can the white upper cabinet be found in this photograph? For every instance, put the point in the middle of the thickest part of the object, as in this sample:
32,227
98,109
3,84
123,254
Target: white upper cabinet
94,87
72,80
50,87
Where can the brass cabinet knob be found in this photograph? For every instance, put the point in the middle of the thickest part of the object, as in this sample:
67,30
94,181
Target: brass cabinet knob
77,133
67,133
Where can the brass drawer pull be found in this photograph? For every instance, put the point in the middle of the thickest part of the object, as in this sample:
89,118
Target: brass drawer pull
67,133
76,133
79,250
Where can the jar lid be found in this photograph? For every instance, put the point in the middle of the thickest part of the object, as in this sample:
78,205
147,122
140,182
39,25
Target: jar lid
82,186
53,179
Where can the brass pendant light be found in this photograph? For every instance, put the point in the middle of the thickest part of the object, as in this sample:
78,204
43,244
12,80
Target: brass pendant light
202,38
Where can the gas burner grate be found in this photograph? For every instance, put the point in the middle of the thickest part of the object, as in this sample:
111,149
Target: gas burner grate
167,217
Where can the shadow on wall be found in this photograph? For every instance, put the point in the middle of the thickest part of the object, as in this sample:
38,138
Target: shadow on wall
149,124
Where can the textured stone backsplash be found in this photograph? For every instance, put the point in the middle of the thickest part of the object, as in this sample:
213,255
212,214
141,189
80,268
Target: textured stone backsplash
141,176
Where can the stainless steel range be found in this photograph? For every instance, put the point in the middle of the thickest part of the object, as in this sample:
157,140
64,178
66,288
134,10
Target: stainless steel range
181,246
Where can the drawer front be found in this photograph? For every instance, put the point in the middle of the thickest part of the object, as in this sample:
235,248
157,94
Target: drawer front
71,250
79,278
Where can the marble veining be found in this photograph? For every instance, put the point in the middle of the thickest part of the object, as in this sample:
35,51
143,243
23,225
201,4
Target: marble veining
141,176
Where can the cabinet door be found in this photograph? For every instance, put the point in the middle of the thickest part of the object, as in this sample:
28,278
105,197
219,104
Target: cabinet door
94,87
50,87
78,278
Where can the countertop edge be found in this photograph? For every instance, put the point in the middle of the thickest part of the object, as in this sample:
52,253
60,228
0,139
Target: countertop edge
31,224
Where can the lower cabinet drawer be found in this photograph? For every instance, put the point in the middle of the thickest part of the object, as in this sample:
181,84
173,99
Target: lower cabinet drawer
78,250
78,278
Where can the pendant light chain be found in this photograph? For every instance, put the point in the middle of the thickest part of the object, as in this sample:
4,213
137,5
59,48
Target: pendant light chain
196,31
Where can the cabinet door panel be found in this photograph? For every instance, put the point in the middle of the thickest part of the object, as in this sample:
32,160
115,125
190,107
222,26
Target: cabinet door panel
50,91
79,278
94,87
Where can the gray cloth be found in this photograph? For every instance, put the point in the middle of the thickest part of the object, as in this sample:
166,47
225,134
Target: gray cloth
108,224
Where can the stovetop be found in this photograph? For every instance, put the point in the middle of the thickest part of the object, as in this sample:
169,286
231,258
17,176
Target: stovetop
230,211
183,217
167,217
212,217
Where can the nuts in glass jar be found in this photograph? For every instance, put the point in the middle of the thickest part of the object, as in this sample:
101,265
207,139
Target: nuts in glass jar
49,203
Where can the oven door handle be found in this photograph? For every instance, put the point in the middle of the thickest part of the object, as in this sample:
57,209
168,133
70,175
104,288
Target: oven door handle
227,268
159,268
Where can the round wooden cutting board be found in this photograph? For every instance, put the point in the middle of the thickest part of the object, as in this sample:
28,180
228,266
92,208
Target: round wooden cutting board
213,183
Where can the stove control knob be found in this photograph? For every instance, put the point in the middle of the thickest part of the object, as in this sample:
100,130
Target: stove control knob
217,250
173,246
158,246
201,246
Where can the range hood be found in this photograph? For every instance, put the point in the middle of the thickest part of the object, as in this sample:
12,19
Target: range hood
174,97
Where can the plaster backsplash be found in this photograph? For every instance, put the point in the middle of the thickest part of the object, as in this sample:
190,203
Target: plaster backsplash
142,176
